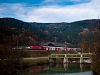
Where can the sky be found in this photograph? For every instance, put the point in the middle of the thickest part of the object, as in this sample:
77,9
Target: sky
50,11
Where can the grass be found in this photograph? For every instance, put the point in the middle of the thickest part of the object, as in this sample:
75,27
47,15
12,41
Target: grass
34,61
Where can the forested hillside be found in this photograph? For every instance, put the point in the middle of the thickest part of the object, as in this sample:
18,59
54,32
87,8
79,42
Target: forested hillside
23,32
68,32
34,33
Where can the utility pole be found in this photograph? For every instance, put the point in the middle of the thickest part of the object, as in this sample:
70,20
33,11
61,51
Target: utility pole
55,39
17,44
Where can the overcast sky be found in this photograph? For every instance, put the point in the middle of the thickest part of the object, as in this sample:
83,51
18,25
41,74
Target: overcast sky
50,10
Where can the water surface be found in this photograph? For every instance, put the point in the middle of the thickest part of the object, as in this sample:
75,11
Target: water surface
58,69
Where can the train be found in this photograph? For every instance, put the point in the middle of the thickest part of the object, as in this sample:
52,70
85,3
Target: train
53,48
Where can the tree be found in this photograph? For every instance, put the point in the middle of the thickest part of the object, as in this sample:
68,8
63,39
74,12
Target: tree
96,51
9,59
93,45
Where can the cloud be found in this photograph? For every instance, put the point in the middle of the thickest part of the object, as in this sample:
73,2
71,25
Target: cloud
83,1
61,14
54,13
13,10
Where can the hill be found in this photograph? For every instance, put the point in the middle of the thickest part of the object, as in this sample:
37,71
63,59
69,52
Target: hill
34,33
23,32
68,32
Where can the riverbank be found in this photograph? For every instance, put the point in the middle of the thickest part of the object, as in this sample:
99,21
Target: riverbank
34,61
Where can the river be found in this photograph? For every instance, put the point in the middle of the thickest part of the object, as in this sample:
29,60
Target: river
58,69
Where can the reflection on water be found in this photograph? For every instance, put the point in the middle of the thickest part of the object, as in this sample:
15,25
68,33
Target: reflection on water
80,73
34,70
70,67
59,69
38,69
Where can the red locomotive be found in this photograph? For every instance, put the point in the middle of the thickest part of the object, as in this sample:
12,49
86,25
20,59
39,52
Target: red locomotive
37,48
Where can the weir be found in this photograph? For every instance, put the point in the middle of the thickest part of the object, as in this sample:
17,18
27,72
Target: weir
71,58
